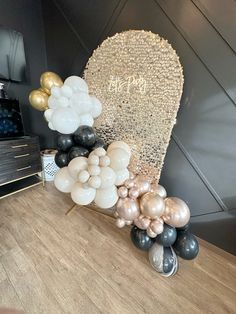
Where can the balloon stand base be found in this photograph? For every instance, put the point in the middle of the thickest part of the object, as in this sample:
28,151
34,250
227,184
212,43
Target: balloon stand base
93,207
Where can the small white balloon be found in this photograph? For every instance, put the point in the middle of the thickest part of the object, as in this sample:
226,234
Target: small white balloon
95,182
56,91
66,91
99,152
76,165
76,83
83,176
119,158
51,127
52,102
121,176
82,195
119,144
63,102
48,114
96,108
106,198
86,119
93,160
65,120
104,161
107,176
63,180
94,170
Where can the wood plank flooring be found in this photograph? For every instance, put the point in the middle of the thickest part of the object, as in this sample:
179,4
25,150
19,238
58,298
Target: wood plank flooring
81,263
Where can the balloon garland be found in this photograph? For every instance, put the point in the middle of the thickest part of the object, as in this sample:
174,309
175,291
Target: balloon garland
93,172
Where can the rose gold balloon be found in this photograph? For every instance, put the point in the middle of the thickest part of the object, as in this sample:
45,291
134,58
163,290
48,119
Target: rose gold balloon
177,213
127,208
143,187
123,192
152,205
151,233
159,189
131,175
142,222
157,226
129,183
134,193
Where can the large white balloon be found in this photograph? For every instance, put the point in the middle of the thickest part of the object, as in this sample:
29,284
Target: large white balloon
76,165
121,176
77,84
119,158
107,176
52,102
63,102
56,91
82,195
119,144
96,108
65,120
66,91
106,198
81,102
48,114
63,181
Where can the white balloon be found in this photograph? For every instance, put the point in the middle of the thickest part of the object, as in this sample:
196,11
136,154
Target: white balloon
76,83
94,170
119,158
83,176
119,144
76,165
65,120
106,198
96,107
63,102
86,119
95,182
48,114
66,91
93,160
50,125
81,102
82,195
63,181
107,176
52,102
56,91
121,176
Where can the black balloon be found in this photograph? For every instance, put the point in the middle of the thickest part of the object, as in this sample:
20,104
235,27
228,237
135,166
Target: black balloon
140,239
65,142
78,151
61,159
186,245
85,136
168,261
168,236
99,143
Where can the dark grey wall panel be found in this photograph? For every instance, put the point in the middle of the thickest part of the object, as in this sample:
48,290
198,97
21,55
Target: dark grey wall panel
26,17
206,42
222,15
182,181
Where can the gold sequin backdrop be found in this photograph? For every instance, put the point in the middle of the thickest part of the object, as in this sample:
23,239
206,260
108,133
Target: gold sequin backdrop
139,80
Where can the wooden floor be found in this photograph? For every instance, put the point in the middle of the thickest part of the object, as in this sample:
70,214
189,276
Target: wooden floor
81,263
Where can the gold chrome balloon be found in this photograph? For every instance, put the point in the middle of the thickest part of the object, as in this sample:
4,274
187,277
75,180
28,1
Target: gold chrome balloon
38,100
152,205
48,80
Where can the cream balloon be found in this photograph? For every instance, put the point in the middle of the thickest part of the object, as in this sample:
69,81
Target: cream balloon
119,158
63,180
82,195
119,144
76,165
121,176
107,176
76,83
65,120
106,198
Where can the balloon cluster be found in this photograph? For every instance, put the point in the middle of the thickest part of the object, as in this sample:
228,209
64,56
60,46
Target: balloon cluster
79,144
155,218
95,178
67,105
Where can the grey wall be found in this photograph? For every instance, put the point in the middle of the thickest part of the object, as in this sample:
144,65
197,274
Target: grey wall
25,16
200,163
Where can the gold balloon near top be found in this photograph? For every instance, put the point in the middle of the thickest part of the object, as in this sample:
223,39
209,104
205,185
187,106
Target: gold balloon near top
48,80
38,100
